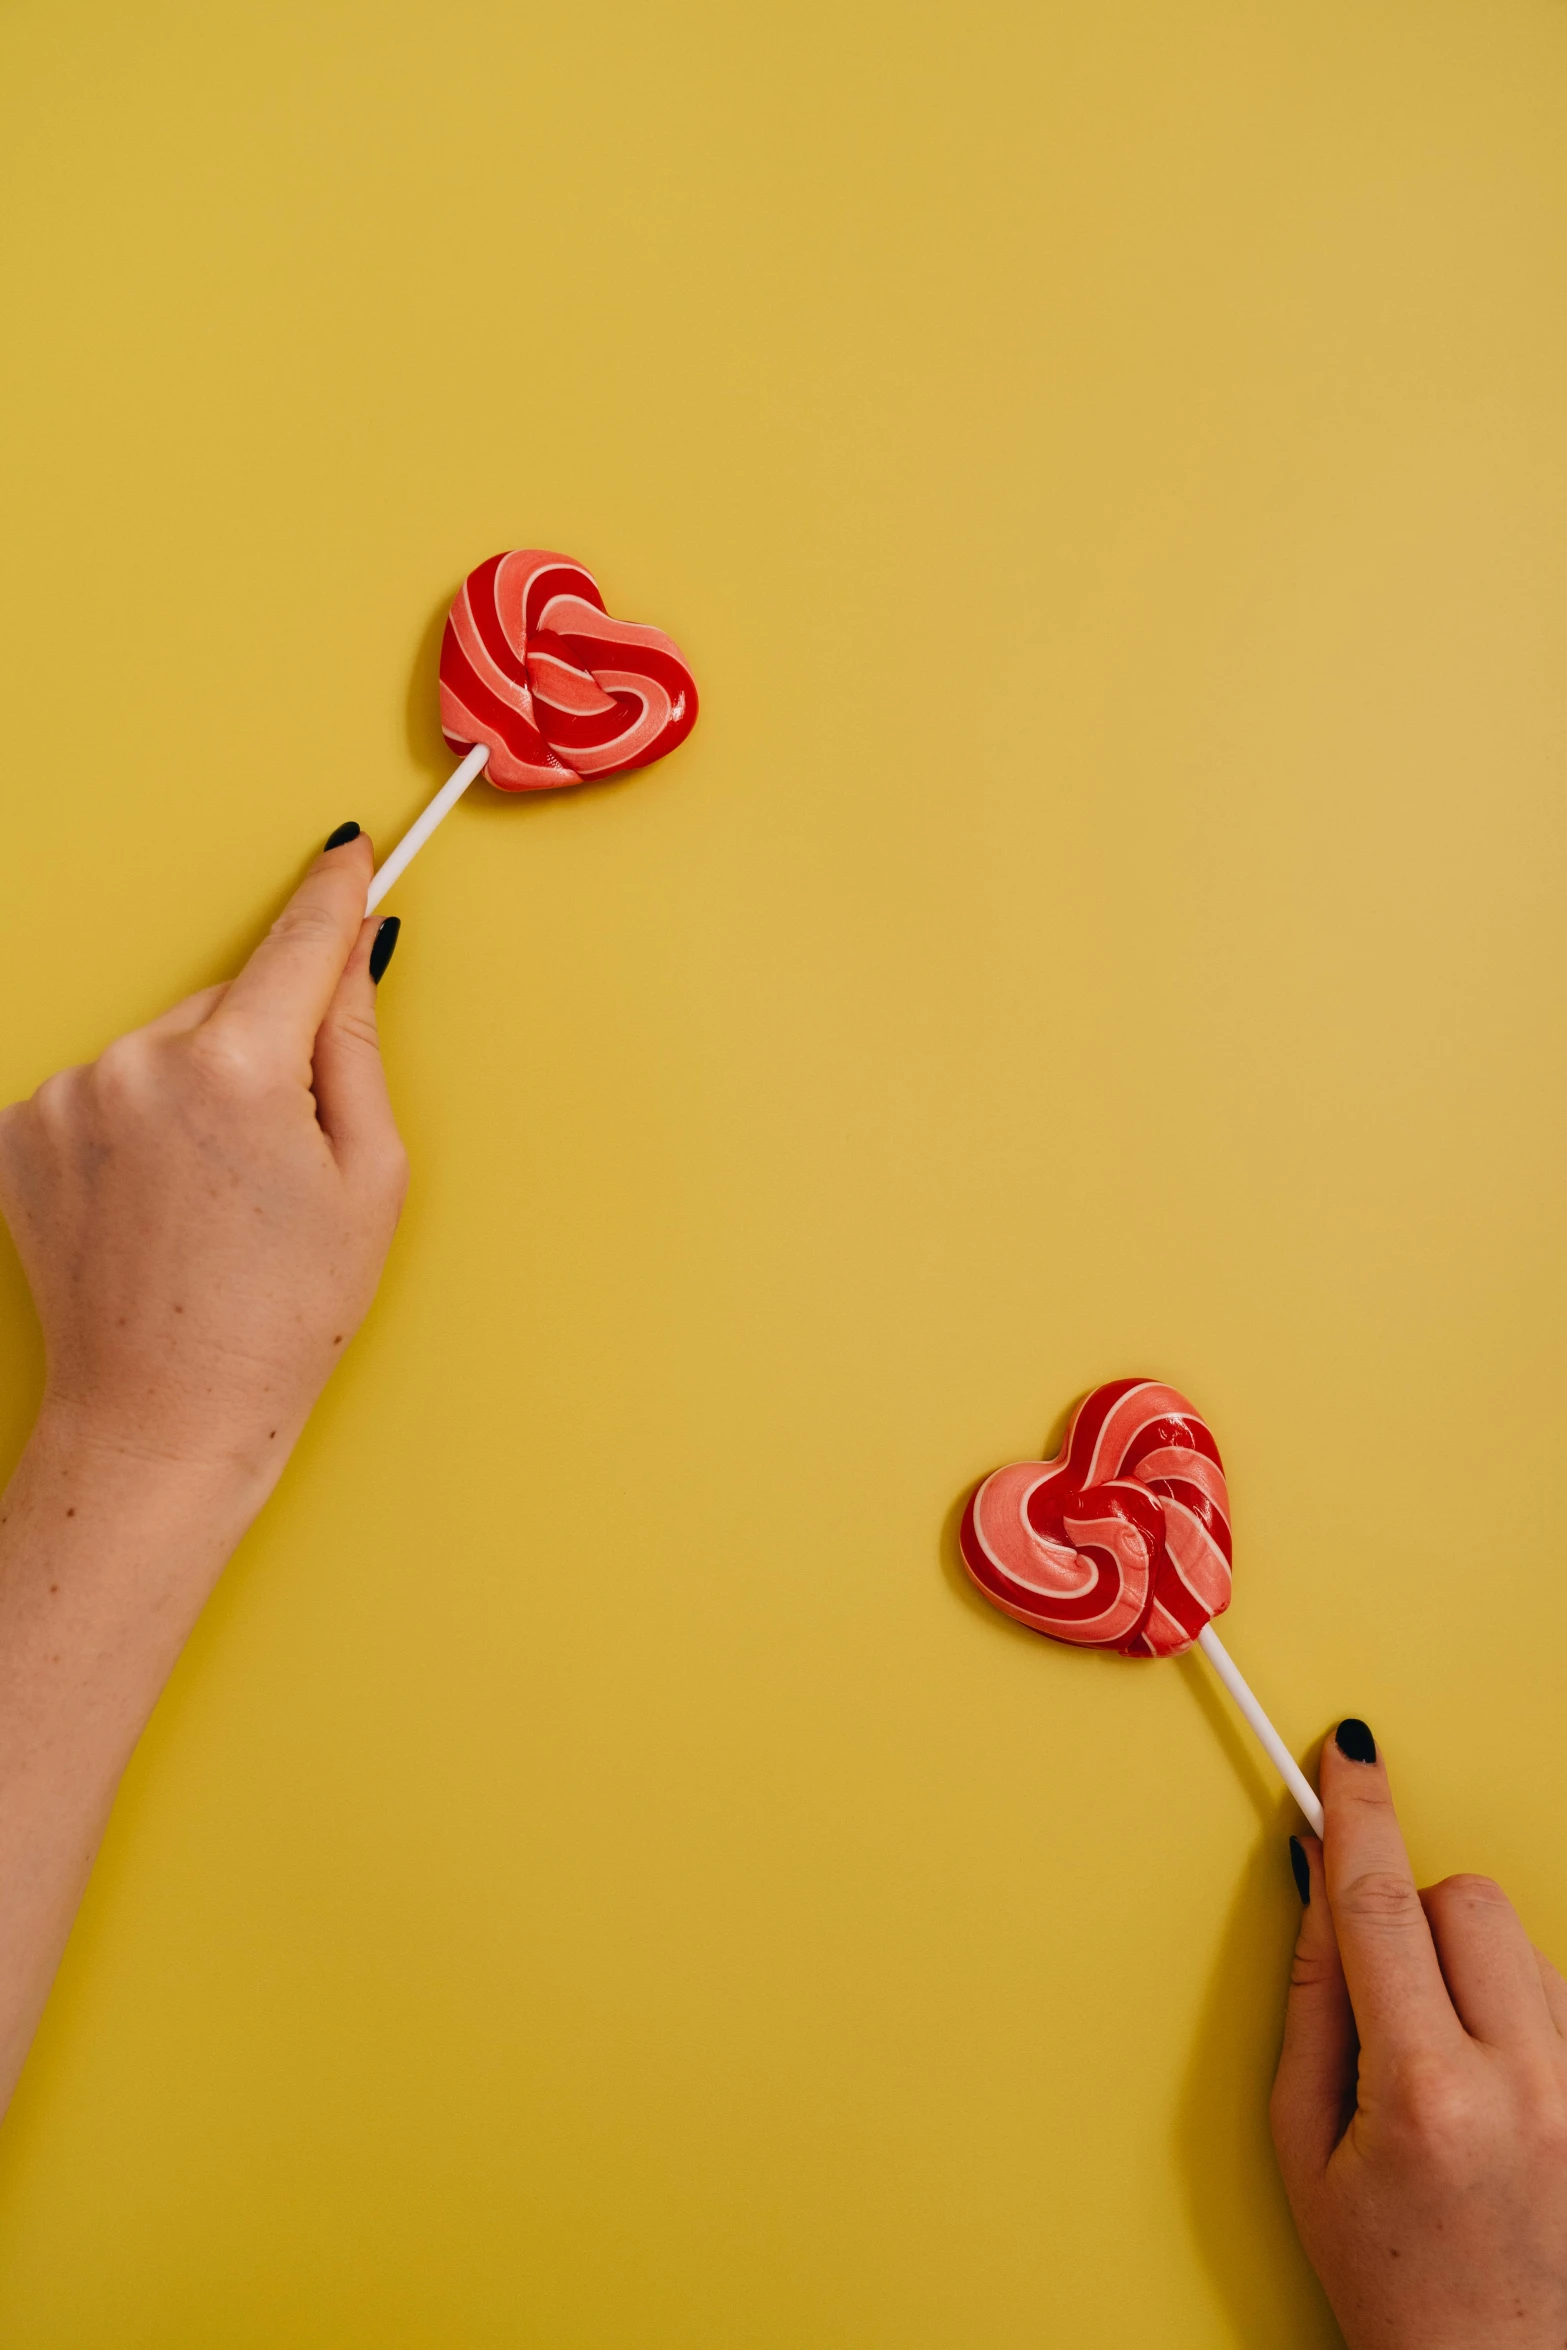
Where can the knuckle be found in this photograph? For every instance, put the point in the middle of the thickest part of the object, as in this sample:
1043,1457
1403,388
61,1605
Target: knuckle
1464,1904
1543,2099
1377,1898
1368,1792
122,1067
1284,2108
1434,2109
228,1060
356,1029
307,922
1474,1892
53,1098
52,1118
1311,1971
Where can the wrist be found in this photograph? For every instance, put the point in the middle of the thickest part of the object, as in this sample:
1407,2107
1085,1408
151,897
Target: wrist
135,1476
108,1553
180,1456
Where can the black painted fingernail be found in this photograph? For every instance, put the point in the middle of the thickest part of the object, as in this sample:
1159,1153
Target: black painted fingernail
1355,1740
1302,1867
384,945
341,838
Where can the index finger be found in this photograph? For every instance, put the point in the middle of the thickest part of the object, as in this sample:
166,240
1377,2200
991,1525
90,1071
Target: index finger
1390,1964
285,988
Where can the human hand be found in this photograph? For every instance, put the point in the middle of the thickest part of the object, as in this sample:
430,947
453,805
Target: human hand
1420,2109
202,1215
203,1212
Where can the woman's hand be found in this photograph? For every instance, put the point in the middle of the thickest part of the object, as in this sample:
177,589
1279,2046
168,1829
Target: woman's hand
202,1215
1420,2110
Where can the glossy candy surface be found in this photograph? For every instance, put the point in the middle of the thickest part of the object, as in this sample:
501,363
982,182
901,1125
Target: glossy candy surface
1123,1540
533,666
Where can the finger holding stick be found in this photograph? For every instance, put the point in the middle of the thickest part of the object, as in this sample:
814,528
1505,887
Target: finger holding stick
1420,2107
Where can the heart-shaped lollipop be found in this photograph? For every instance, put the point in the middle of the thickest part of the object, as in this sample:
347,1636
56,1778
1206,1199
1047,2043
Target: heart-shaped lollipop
1122,1541
534,667
540,688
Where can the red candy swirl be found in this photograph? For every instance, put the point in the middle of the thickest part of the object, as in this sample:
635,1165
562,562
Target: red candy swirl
1123,1540
533,666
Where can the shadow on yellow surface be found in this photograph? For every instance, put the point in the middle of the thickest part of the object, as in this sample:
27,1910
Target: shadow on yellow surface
1223,2154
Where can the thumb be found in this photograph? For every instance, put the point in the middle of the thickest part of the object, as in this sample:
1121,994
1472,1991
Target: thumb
347,1077
277,1002
1314,2090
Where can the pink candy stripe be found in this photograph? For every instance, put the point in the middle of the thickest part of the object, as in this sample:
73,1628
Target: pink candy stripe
1125,1423
1109,1545
606,695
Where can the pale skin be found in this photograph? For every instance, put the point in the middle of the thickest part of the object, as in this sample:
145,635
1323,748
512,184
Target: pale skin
1420,2109
203,1215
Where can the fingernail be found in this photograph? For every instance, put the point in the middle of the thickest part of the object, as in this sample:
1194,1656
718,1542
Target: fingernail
341,838
1302,1867
1355,1740
384,945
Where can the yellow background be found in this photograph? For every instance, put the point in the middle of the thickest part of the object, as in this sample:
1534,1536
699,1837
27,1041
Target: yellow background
597,1880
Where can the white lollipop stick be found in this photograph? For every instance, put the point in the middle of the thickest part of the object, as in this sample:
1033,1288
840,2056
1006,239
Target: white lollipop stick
1278,1753
419,831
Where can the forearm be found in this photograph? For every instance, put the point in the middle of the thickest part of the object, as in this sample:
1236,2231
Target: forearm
106,1559
202,1214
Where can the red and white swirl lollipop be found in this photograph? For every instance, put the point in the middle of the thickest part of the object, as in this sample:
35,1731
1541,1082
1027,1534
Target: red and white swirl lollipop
1122,1541
541,688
